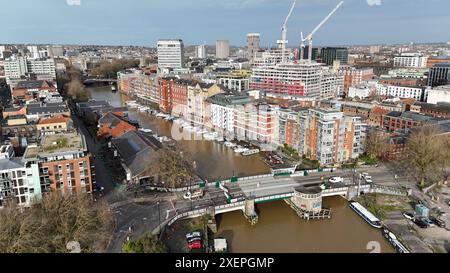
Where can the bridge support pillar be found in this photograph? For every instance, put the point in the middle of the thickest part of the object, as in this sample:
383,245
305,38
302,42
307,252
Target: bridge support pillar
212,224
250,212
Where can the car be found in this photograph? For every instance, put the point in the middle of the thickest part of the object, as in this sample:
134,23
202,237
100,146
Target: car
336,179
429,222
191,195
368,180
421,223
193,239
195,245
408,215
438,222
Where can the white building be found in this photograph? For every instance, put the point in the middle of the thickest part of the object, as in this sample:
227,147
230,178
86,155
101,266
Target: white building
360,91
411,60
200,52
222,49
170,53
18,67
403,92
2,48
438,94
34,52
19,182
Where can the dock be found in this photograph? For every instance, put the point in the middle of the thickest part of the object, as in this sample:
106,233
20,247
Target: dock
307,215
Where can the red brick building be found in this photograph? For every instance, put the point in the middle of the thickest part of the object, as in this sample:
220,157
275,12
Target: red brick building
113,126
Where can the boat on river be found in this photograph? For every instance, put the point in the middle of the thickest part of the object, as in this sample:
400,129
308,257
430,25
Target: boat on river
366,215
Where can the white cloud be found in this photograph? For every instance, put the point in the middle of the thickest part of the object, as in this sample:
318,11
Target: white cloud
73,2
374,2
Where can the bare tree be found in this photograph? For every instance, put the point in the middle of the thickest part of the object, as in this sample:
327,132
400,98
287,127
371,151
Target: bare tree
50,225
426,151
145,244
172,166
376,144
77,91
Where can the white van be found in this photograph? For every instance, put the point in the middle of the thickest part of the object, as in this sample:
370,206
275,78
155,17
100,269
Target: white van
196,194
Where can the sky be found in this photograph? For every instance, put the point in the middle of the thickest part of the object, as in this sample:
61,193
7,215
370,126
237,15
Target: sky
143,22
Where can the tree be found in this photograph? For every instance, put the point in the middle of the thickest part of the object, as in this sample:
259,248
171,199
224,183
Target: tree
48,226
376,144
77,91
172,166
146,244
426,151
108,69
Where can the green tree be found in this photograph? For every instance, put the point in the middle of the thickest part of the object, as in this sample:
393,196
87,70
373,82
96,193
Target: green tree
146,244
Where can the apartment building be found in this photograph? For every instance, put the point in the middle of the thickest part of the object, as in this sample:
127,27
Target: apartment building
416,60
355,76
199,110
417,93
63,161
329,136
18,67
236,80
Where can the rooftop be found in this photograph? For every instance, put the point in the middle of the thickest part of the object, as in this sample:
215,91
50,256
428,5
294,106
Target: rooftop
52,145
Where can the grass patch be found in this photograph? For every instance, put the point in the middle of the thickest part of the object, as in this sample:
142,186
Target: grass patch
368,160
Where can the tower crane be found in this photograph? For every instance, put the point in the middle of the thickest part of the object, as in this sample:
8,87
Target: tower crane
309,38
282,43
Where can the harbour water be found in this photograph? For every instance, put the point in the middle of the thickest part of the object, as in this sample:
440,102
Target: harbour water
279,228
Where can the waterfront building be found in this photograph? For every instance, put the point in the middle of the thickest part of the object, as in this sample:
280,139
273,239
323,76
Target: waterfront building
170,53
439,75
135,151
199,110
111,125
330,137
125,77
308,199
331,54
222,49
63,161
223,111
253,40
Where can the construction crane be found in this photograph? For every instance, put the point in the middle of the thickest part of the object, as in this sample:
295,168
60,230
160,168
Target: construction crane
282,43
309,38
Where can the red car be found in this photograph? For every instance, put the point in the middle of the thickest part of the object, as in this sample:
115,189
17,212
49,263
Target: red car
195,245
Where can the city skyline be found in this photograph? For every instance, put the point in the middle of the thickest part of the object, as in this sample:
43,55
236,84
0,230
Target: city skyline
201,21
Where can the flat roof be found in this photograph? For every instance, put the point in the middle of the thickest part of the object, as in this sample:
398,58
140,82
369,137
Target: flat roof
57,144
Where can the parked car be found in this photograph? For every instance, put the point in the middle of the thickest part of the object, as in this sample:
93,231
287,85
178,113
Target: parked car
438,222
429,222
191,195
193,235
193,239
421,223
195,245
336,179
408,215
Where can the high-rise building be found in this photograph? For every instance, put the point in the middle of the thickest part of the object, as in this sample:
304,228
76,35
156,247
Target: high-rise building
253,40
170,53
2,48
315,53
222,49
200,51
439,75
331,54
18,67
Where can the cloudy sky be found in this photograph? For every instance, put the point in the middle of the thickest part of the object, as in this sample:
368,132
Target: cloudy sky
143,22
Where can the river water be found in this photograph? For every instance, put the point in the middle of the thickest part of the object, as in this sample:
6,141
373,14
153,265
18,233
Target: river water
279,228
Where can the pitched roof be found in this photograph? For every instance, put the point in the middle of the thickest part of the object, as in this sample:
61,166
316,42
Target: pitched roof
56,119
